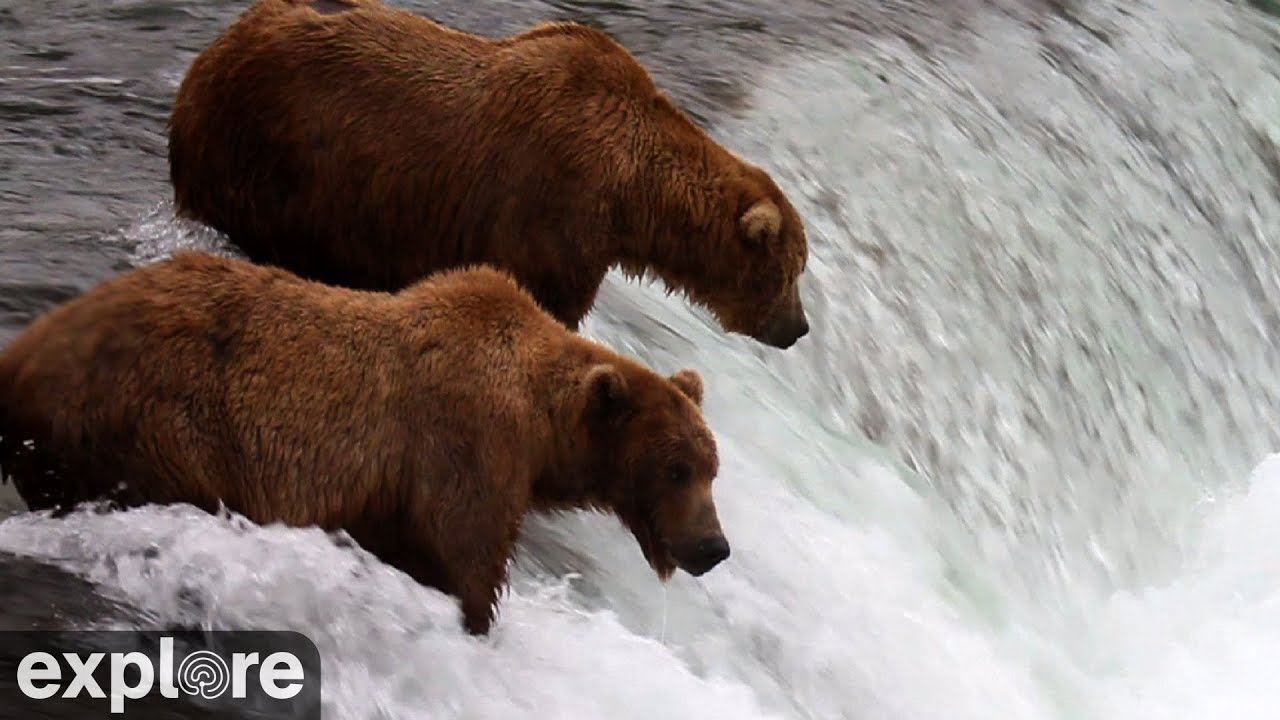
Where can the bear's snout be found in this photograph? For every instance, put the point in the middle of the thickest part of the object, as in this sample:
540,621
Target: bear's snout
787,325
704,555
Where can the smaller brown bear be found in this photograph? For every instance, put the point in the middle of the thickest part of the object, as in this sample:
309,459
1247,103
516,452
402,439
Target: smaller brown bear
425,423
359,144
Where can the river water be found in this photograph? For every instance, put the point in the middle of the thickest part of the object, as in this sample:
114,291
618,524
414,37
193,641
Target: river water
1020,468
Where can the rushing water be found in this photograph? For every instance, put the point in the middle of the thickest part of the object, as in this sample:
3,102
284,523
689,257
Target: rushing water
1019,469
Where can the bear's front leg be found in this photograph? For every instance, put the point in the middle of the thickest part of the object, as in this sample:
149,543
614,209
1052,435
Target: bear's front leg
476,579
468,566
479,546
479,570
479,605
470,524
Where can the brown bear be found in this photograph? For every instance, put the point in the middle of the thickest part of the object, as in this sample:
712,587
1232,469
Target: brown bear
363,145
425,423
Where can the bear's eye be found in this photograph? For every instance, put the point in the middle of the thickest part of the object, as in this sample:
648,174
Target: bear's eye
679,474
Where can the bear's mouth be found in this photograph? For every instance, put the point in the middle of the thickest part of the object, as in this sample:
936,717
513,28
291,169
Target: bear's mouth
667,563
657,552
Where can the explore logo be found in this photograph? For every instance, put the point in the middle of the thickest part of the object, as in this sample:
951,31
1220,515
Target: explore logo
276,673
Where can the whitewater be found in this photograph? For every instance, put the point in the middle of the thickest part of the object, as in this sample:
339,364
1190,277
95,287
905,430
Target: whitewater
1022,467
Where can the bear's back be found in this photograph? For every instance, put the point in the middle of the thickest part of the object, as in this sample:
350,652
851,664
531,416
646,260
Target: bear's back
128,383
206,379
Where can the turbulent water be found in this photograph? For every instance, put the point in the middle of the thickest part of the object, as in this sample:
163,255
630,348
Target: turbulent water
1020,468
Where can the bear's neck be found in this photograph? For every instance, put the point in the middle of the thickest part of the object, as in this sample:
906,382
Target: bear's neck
672,238
555,492
562,486
559,483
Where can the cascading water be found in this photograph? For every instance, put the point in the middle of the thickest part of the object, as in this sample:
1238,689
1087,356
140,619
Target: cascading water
1011,473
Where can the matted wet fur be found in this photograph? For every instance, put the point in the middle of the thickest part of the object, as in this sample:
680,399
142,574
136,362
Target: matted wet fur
364,145
425,423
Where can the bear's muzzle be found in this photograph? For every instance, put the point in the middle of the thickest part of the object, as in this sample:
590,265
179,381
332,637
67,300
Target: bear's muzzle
700,557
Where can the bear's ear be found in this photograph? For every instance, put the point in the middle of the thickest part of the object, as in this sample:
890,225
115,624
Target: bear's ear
761,222
606,389
690,383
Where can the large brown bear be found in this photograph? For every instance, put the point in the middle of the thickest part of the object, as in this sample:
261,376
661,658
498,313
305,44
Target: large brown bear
425,423
362,145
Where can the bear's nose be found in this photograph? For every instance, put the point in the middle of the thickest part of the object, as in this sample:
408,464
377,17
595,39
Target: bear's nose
783,333
802,328
713,550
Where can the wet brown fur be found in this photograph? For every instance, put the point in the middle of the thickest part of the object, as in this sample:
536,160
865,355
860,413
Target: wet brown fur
426,423
364,145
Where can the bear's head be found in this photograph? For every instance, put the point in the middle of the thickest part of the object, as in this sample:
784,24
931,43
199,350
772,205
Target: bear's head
766,252
747,272
650,457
